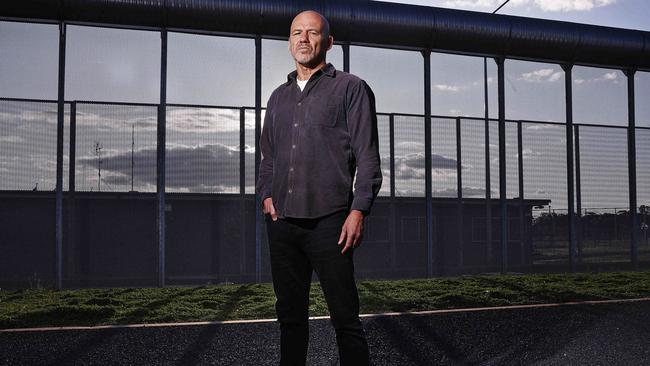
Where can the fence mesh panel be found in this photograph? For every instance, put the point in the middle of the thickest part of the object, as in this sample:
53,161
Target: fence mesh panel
604,189
115,148
544,163
203,150
28,145
409,156
443,157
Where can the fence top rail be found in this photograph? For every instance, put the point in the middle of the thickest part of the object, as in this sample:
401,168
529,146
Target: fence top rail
250,108
133,104
213,106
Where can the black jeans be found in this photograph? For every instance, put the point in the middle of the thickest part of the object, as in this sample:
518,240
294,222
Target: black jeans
298,246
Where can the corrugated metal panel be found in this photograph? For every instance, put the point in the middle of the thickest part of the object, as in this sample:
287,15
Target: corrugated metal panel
367,22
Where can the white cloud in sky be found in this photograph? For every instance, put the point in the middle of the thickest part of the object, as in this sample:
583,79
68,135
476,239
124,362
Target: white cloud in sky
207,120
609,76
447,88
529,153
540,126
544,5
571,5
542,75
479,3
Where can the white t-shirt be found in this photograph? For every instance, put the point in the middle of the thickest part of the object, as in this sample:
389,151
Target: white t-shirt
301,83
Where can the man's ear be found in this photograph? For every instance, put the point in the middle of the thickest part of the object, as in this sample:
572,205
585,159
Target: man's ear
330,42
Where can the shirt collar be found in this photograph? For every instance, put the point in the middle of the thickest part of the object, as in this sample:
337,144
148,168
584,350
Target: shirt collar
328,70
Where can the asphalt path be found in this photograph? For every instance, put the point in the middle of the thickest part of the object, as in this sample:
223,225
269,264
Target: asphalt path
584,334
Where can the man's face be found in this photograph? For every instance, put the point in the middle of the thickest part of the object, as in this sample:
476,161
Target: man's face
307,43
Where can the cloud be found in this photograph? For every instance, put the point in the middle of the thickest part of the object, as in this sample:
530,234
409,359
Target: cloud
182,119
571,5
203,119
529,153
477,3
540,126
540,76
412,166
209,168
610,76
26,119
544,5
607,77
447,88
416,160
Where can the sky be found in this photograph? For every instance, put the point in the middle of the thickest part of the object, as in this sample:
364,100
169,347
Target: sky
630,14
203,143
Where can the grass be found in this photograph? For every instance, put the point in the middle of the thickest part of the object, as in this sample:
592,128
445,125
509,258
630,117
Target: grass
32,308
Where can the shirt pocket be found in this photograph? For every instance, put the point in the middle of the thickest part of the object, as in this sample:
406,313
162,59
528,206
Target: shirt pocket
326,112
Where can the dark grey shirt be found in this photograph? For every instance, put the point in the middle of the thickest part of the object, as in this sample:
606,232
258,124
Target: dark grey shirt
313,141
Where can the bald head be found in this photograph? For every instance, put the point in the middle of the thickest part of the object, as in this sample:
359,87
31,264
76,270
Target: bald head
311,14
310,39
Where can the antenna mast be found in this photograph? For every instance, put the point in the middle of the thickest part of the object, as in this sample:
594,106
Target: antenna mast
98,152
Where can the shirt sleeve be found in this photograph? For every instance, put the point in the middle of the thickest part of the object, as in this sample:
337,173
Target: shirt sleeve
362,126
265,179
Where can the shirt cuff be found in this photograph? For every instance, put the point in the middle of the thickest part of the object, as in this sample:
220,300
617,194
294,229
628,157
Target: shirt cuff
265,193
362,204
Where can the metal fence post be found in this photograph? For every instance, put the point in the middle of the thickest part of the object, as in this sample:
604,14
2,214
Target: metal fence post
71,211
258,130
160,160
242,188
488,189
59,159
631,167
393,209
502,165
459,202
427,163
568,93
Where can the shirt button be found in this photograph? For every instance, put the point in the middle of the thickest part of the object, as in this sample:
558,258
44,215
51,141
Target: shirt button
291,169
293,146
295,125
299,103
290,191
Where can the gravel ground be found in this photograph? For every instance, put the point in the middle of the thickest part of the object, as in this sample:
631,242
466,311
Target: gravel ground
597,334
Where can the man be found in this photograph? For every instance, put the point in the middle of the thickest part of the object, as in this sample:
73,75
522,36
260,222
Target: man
320,126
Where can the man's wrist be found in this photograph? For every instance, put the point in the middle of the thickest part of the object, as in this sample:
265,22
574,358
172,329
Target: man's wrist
361,213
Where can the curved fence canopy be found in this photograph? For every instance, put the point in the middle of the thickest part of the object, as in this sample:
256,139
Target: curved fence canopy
369,23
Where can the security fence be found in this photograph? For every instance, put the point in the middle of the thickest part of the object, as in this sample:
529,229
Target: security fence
155,193
109,214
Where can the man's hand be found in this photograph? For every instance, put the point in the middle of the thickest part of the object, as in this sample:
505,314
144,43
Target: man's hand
352,230
269,208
